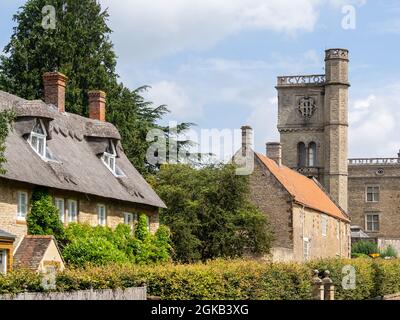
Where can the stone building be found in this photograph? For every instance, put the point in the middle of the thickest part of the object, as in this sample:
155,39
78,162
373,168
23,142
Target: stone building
374,198
306,222
313,122
80,160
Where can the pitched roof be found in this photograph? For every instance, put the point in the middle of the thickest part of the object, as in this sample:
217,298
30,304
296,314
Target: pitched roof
31,251
6,235
305,191
77,143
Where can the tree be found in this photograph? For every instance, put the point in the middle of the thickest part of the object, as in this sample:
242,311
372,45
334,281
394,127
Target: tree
6,118
209,213
80,47
44,217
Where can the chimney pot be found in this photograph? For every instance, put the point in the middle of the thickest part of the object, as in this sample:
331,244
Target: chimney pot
247,139
97,105
274,152
54,89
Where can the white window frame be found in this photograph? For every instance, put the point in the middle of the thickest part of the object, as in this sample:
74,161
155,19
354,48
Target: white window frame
306,248
3,257
324,225
39,137
129,219
61,209
101,219
110,161
20,214
72,217
374,200
107,157
373,222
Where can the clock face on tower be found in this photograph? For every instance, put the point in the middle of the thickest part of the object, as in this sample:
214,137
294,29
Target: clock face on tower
306,107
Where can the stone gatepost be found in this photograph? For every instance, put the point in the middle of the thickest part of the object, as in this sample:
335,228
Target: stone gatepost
318,287
329,288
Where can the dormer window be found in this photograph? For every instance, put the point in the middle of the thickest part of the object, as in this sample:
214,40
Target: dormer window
109,156
109,159
37,139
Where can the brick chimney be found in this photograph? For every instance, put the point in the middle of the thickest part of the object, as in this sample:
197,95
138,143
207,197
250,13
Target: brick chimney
247,139
274,152
97,105
54,89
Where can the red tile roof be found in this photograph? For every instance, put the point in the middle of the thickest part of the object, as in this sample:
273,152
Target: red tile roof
305,191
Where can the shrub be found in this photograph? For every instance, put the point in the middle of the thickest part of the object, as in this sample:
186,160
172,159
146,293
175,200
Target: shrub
97,251
387,276
44,217
221,279
101,245
19,281
365,276
389,252
365,247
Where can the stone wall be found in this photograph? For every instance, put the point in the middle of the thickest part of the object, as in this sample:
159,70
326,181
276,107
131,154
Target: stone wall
8,209
388,207
307,224
275,202
87,209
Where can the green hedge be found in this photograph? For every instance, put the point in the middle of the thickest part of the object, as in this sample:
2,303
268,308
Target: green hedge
222,279
365,277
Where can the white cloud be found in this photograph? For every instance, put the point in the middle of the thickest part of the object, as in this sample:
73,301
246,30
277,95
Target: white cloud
144,28
341,3
375,123
177,100
263,120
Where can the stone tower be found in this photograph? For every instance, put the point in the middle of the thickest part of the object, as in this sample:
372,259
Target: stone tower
312,122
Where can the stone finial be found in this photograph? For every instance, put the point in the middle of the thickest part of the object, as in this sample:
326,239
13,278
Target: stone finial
54,89
97,105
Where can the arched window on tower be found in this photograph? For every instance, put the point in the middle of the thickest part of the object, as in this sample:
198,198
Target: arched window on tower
301,154
312,154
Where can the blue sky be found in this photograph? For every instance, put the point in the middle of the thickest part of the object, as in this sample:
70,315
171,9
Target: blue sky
215,62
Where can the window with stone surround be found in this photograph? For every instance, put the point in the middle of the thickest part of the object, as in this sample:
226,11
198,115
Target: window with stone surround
101,215
130,219
372,193
72,206
22,205
312,154
301,155
372,222
60,205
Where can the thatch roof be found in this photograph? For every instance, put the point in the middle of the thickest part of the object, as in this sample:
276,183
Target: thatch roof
76,142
